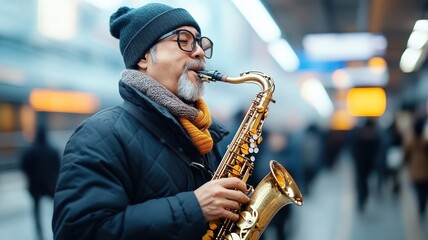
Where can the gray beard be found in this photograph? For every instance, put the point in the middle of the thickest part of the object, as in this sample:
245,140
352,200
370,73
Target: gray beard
188,90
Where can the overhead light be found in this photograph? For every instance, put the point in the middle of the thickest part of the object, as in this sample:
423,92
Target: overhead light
417,39
344,46
421,25
284,55
315,94
57,19
416,49
259,19
409,60
267,29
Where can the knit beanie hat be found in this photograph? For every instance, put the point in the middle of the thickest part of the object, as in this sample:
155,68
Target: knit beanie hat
138,29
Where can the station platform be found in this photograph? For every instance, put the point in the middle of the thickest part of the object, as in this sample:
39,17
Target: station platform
328,212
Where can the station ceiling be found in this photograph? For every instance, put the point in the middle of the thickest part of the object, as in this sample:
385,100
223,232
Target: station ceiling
392,18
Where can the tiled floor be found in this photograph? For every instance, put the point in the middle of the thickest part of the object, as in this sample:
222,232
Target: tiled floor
16,222
329,213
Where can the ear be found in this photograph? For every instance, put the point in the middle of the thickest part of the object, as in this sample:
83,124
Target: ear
142,64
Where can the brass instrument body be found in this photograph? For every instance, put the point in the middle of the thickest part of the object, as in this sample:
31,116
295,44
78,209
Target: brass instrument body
275,190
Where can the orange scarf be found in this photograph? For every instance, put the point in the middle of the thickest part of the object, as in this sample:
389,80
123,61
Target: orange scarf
198,128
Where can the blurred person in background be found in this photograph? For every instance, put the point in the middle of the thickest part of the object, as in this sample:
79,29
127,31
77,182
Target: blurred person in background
311,155
416,157
365,151
333,147
391,158
142,169
40,164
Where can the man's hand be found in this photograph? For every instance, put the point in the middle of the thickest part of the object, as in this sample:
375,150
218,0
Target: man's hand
218,197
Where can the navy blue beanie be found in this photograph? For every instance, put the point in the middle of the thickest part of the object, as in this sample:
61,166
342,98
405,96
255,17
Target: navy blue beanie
138,29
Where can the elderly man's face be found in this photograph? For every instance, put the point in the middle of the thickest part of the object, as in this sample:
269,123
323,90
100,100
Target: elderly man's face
175,68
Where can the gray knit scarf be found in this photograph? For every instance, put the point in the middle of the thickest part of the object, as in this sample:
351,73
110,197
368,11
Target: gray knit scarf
158,93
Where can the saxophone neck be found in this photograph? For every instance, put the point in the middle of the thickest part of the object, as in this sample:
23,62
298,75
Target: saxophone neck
264,81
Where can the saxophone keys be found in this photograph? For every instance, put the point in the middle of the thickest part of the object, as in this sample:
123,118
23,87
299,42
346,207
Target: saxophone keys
240,159
252,158
244,149
208,235
253,132
256,150
213,226
236,170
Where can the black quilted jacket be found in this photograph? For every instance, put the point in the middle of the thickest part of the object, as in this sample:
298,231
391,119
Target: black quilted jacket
120,179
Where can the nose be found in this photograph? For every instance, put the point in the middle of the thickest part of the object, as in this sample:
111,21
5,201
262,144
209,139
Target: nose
198,52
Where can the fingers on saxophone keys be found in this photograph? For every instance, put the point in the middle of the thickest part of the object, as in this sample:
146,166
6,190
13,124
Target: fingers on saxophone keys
232,216
231,205
249,190
233,183
238,197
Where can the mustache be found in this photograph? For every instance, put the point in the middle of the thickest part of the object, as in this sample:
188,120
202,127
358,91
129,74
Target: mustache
194,65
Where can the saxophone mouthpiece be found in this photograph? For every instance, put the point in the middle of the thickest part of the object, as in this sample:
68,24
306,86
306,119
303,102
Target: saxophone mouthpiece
211,76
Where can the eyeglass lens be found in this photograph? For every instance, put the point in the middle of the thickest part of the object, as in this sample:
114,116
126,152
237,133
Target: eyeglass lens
187,42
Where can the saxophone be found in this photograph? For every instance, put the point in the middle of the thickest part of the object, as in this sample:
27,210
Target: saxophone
276,189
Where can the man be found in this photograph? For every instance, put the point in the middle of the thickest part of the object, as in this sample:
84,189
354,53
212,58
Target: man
141,170
416,158
365,150
40,164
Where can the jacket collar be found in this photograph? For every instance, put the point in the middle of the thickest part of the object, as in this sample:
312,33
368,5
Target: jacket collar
133,95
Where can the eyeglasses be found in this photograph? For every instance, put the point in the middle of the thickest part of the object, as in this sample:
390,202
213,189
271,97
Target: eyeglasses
187,42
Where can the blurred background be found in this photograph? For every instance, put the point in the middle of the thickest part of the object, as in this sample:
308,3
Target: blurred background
350,113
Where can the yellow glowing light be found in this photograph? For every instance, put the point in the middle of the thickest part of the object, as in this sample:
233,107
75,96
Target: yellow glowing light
341,120
377,64
7,118
27,117
63,101
366,102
